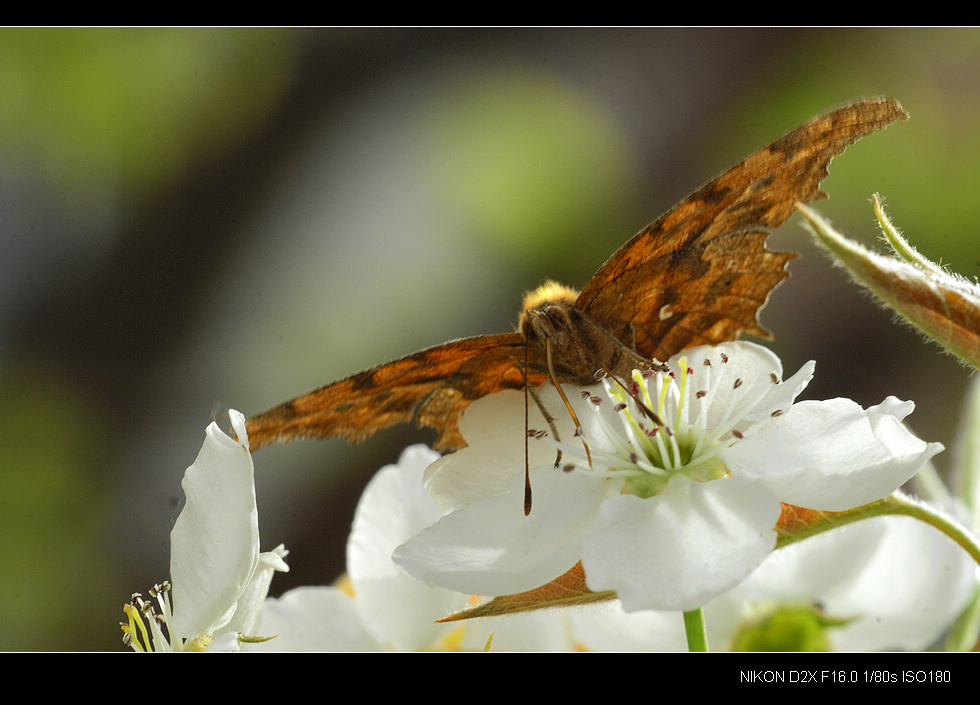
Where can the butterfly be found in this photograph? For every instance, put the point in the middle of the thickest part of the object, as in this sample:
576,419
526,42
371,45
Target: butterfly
698,275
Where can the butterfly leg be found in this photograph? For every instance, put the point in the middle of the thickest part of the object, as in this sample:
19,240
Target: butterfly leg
530,391
548,418
568,405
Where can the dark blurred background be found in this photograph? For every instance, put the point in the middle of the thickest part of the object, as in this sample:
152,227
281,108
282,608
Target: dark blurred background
192,217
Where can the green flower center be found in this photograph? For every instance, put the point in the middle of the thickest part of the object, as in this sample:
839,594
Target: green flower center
788,628
663,431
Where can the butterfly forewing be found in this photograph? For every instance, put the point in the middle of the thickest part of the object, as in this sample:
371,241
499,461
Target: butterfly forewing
430,388
701,273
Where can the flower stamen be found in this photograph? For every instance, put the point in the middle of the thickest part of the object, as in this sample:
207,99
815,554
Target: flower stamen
141,613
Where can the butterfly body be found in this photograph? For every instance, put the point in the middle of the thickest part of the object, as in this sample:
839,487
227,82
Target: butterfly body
582,351
697,275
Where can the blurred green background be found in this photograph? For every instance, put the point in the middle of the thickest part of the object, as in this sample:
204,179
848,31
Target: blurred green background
194,217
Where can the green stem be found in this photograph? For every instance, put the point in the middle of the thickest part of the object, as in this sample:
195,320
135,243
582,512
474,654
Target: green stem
894,504
697,635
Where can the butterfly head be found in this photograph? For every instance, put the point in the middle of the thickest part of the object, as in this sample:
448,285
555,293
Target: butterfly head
551,292
550,304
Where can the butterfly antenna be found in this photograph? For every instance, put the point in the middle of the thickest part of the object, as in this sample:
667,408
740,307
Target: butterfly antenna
527,461
554,381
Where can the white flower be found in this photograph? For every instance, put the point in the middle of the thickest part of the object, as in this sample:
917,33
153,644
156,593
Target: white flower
218,577
381,607
674,502
885,583
896,582
390,610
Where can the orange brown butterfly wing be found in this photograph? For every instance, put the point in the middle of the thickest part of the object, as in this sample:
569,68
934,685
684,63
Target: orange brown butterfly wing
430,388
701,273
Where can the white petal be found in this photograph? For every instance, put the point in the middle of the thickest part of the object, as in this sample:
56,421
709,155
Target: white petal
491,548
900,581
215,540
817,568
915,586
678,550
606,626
494,429
313,619
226,643
832,455
780,397
250,603
394,508
745,381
